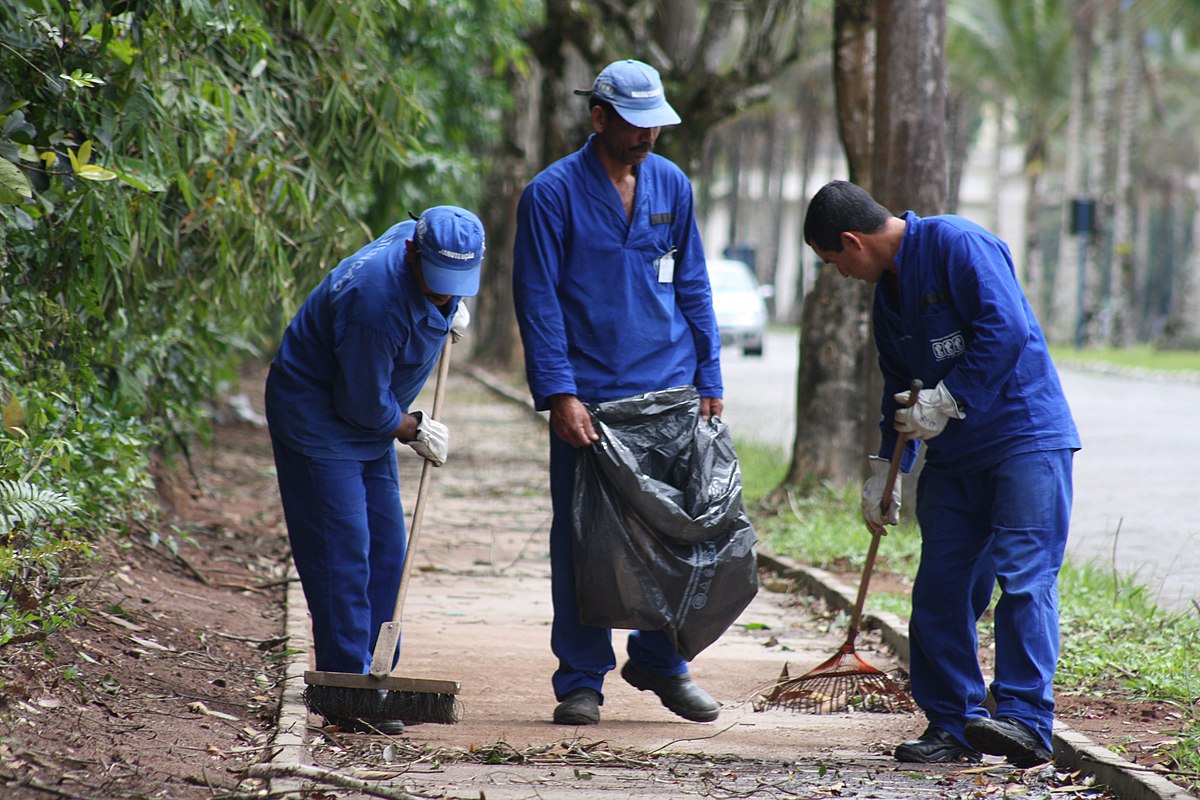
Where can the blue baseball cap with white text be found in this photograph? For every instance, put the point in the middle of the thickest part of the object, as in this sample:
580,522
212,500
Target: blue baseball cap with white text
635,90
451,242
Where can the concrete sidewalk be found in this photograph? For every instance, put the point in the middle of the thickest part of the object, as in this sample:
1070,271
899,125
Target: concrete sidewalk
478,612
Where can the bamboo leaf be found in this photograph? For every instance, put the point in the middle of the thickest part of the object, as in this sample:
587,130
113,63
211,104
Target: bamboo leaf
14,186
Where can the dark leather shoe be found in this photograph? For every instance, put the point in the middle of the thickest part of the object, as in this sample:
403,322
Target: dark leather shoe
1005,736
679,693
934,746
378,727
580,707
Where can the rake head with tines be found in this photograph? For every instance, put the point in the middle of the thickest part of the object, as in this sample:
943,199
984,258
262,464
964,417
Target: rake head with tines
845,681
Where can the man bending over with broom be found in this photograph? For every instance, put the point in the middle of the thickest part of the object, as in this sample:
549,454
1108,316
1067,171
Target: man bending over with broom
351,362
994,496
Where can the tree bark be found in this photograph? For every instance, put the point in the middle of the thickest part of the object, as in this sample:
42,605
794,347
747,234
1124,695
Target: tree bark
836,354
1062,314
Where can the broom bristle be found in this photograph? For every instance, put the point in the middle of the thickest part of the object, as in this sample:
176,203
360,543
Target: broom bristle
379,704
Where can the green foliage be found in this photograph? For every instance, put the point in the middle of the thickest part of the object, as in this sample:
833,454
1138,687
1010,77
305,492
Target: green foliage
1112,626
24,503
763,468
174,178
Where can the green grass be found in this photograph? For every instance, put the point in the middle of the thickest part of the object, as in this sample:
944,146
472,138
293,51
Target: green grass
1143,357
1115,641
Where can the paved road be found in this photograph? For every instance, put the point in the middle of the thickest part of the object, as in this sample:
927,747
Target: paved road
1133,478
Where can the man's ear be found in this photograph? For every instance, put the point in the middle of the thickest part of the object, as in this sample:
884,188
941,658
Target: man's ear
599,119
852,241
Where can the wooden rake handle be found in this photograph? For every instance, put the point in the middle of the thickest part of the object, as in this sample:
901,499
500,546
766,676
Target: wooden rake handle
885,504
389,634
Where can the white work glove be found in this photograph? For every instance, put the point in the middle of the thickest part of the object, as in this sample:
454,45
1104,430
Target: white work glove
872,495
433,439
458,325
929,415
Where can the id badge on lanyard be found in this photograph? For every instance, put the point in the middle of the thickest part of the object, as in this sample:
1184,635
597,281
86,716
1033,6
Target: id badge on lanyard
666,266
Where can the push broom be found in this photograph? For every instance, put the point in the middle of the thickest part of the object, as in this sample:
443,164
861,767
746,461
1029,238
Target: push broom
846,681
391,696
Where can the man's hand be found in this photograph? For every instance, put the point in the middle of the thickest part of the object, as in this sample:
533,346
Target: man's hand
872,497
570,420
458,325
711,407
432,441
929,415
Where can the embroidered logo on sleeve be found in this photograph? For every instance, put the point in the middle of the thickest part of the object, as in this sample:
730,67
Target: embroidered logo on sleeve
950,346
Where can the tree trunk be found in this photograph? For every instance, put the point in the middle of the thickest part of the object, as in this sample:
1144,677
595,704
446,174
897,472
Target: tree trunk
908,164
1095,295
494,338
1062,313
1183,320
1127,276
835,353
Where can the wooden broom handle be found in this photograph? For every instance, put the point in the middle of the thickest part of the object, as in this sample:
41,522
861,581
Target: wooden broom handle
389,634
439,392
885,504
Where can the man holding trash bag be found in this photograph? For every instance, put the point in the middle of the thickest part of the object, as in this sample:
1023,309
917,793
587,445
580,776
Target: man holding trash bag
613,300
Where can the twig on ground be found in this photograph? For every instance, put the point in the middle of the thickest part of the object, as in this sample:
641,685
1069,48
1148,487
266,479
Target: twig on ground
319,775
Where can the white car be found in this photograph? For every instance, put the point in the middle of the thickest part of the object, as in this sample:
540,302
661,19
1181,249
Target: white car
739,303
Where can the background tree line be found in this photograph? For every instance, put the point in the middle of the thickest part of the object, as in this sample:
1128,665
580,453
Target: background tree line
174,178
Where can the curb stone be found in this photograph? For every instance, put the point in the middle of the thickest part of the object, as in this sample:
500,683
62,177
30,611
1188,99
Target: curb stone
1071,748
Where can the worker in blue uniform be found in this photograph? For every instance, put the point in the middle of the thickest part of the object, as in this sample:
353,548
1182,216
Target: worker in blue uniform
338,397
994,495
612,298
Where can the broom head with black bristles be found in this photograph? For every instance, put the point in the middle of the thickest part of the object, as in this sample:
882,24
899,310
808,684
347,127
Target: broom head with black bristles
336,695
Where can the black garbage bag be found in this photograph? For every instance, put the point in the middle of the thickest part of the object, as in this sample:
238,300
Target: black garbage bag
661,540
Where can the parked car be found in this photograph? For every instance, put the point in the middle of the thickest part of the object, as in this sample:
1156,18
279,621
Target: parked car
739,303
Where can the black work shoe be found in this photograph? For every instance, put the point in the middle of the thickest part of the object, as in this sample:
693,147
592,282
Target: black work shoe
934,746
679,693
378,727
580,707
1005,736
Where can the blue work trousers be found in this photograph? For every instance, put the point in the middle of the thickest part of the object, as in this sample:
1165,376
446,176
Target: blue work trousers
345,523
1006,525
585,652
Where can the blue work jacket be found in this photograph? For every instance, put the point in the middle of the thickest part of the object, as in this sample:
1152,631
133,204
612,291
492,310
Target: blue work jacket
956,313
602,315
356,354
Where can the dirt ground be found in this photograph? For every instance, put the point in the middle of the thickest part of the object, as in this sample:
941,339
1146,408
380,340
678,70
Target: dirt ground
177,683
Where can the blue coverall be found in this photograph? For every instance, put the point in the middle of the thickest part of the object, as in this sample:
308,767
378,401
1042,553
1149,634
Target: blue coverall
352,360
603,316
994,497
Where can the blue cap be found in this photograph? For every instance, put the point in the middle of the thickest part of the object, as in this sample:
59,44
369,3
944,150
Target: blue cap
450,240
635,90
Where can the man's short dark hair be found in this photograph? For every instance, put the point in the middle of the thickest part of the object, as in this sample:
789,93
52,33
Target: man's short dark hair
841,206
607,106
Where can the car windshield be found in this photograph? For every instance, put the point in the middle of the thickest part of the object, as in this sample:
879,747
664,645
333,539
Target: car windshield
731,279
